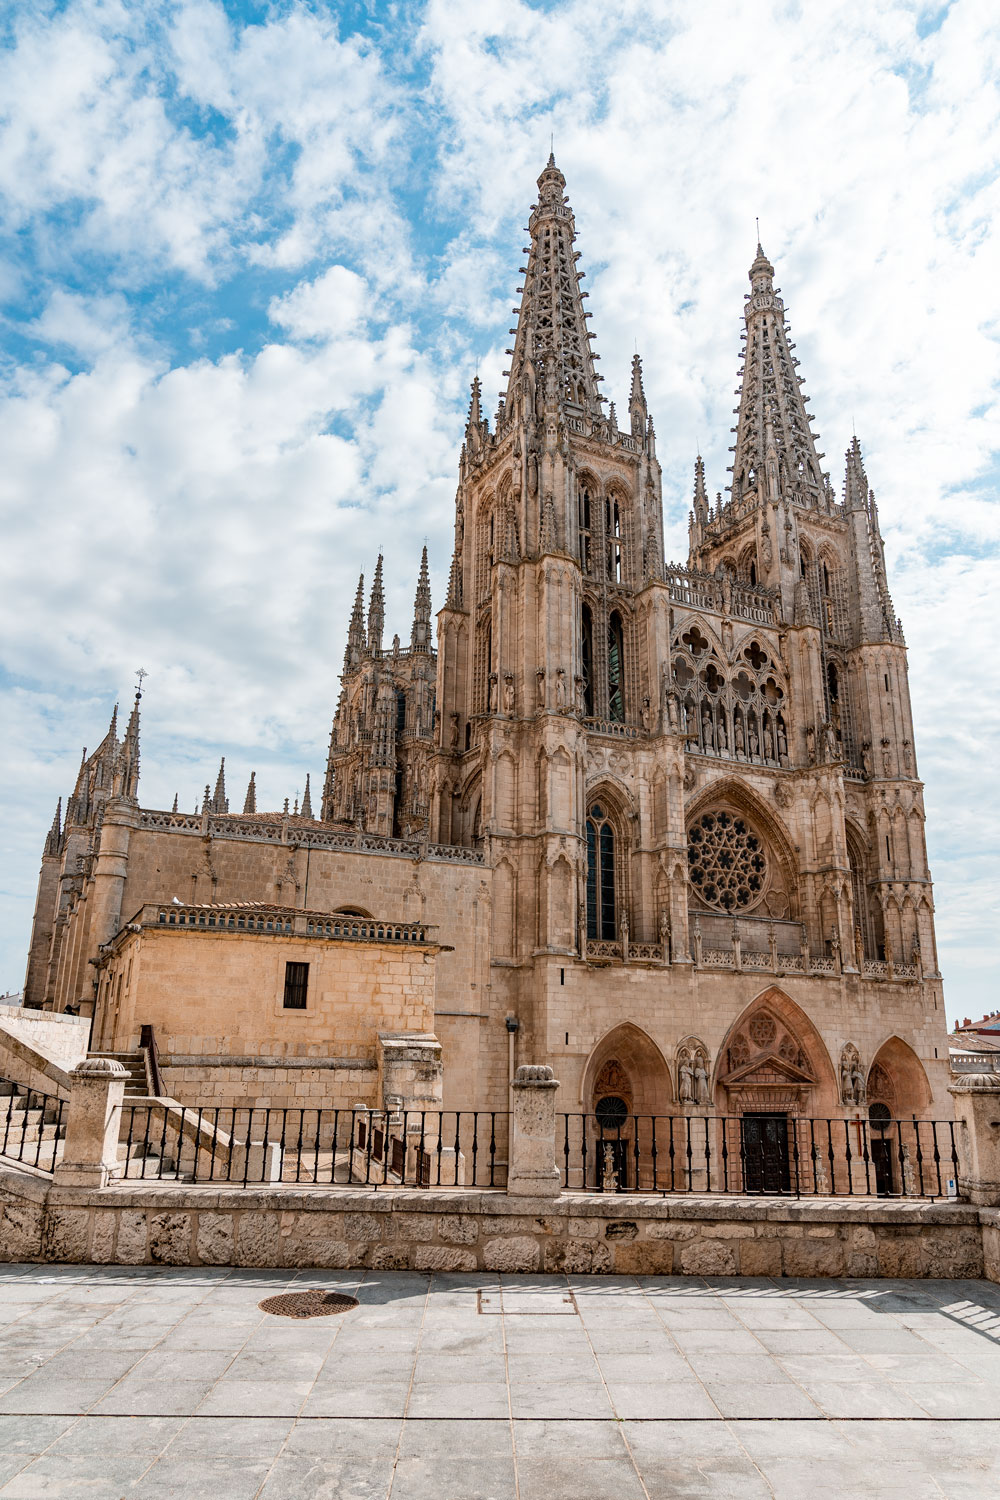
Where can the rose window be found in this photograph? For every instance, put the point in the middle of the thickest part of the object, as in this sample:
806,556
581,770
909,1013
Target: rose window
726,862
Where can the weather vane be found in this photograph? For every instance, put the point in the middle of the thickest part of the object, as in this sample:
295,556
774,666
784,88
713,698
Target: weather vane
140,674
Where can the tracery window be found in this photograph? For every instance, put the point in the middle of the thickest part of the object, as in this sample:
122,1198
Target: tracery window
726,861
585,550
733,711
600,875
613,529
587,654
616,669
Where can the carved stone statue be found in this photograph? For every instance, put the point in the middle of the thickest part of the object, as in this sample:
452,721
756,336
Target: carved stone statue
811,744
508,694
723,741
560,687
886,758
454,731
540,687
858,1084
646,713
782,745
701,1080
866,757
685,1079
491,701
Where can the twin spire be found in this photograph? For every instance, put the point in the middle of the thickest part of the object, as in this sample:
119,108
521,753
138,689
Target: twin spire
772,410
551,329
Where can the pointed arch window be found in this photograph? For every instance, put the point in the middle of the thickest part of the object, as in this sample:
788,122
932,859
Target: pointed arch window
613,528
400,713
616,669
600,875
587,657
585,529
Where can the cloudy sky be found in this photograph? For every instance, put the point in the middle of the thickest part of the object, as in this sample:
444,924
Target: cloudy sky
251,256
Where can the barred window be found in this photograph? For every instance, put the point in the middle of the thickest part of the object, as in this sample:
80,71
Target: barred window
296,985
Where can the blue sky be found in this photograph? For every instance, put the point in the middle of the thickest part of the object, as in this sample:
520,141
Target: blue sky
251,256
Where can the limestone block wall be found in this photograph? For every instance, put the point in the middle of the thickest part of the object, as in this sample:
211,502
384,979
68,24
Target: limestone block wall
219,995
62,1039
468,1231
568,1008
295,1083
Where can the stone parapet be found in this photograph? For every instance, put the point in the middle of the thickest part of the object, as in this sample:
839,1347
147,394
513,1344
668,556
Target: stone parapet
467,1230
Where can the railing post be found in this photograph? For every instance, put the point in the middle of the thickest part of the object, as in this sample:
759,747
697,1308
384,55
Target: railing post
93,1122
977,1137
532,1169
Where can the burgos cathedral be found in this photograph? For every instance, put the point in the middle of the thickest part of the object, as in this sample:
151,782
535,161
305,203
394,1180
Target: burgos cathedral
657,826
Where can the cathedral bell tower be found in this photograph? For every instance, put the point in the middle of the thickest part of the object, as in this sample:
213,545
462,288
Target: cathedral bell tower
542,643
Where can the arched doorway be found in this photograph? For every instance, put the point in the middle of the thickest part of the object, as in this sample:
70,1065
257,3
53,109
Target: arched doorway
898,1094
627,1086
773,1074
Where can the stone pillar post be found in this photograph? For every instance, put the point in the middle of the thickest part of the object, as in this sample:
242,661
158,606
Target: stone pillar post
532,1170
93,1121
977,1136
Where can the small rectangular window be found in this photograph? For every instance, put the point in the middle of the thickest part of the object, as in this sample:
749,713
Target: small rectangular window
296,984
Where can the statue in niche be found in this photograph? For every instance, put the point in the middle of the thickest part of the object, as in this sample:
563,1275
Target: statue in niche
768,742
886,758
723,740
560,687
707,731
508,694
579,696
740,737
454,731
811,744
665,930
857,1083
491,697
754,741
646,714
766,550
859,950
540,687
685,1079
829,742
907,761
701,1079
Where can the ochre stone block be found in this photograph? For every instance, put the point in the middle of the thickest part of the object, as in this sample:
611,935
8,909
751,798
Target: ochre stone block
67,1234
257,1239
709,1258
518,1253
645,1258
458,1229
364,1226
132,1239
899,1255
21,1232
443,1258
170,1239
215,1239
760,1257
578,1257
808,1257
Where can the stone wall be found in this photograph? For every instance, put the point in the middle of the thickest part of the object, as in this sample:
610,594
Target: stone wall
138,1224
61,1039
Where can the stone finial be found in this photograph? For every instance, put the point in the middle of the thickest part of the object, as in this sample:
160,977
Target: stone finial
99,1067
535,1073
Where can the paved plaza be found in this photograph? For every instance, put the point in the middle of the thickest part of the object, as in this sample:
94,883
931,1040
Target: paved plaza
152,1382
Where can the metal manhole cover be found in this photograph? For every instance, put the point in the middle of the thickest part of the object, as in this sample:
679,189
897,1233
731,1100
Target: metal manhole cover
315,1304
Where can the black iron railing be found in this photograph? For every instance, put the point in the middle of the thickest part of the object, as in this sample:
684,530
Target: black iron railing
31,1126
764,1155
320,1147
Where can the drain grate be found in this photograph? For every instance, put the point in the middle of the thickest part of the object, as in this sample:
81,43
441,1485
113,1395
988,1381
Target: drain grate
315,1304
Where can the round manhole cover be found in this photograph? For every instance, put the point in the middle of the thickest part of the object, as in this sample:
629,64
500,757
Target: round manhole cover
315,1304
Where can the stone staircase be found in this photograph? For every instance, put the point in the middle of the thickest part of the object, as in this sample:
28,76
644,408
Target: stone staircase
134,1063
30,1131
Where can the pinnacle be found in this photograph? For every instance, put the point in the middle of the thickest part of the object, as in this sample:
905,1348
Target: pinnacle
250,800
305,810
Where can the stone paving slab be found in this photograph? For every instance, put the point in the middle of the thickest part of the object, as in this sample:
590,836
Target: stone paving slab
118,1382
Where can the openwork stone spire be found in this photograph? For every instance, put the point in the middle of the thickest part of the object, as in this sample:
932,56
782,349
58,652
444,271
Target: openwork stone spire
306,810
551,325
356,629
420,635
638,410
772,390
219,803
250,800
376,611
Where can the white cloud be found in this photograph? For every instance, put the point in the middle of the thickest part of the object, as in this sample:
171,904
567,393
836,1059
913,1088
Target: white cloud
207,518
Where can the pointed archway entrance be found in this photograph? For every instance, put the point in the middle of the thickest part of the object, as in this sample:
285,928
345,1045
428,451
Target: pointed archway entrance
627,1085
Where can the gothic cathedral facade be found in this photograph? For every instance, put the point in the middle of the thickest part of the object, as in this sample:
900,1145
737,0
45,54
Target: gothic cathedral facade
665,819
